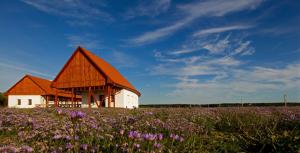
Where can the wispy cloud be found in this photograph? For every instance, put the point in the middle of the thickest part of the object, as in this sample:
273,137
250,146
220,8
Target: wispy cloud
194,11
77,10
216,45
25,69
220,30
122,60
148,8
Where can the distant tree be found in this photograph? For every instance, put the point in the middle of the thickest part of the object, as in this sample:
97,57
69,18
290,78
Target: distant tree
3,100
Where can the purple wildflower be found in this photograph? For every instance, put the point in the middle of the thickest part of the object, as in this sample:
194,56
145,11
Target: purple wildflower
26,149
77,115
69,146
157,145
84,146
59,111
67,137
8,149
136,145
73,114
80,114
134,134
160,136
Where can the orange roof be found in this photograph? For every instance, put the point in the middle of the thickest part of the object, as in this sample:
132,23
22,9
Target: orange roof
112,73
43,84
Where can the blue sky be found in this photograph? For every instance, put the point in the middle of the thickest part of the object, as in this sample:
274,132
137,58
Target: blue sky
172,51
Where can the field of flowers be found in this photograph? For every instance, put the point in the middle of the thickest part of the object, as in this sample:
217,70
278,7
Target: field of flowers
251,129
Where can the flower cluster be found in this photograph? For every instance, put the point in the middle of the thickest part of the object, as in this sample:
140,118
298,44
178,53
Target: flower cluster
76,114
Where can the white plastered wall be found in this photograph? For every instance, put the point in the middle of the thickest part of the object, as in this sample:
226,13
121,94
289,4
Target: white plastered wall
124,99
127,99
36,100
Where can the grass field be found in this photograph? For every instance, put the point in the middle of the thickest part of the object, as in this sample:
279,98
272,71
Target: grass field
232,129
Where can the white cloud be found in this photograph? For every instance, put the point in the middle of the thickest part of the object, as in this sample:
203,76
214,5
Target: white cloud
78,9
194,11
220,30
25,69
148,8
228,45
218,47
122,60
258,81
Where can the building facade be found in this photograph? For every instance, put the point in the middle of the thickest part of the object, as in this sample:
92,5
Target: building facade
32,92
96,81
86,80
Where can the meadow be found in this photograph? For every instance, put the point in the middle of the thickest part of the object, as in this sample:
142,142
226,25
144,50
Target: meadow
232,129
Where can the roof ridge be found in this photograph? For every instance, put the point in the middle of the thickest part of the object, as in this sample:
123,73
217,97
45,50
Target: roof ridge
34,77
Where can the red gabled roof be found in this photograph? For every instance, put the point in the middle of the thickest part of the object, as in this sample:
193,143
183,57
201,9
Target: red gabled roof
43,84
111,73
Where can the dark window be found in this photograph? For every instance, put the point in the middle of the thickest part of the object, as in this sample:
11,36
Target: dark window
19,101
29,101
92,99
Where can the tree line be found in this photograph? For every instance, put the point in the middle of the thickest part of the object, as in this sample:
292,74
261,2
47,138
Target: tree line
3,100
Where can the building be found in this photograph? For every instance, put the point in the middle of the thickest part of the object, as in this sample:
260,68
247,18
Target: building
98,82
32,91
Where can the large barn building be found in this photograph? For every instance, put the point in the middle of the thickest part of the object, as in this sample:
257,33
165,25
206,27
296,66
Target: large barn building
98,82
32,92
86,80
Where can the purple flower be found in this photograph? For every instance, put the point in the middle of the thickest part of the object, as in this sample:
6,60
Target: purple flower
76,115
84,146
8,149
80,114
59,111
67,137
73,114
150,136
69,146
26,149
160,136
136,145
157,145
134,134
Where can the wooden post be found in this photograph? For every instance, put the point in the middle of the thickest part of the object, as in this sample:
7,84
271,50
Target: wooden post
56,99
109,96
72,97
47,101
89,97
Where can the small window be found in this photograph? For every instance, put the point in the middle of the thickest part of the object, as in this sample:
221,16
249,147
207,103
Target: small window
29,101
19,101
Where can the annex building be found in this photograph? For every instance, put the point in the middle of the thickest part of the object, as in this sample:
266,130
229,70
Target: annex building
86,80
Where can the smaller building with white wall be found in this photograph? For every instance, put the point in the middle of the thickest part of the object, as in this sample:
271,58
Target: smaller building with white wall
32,92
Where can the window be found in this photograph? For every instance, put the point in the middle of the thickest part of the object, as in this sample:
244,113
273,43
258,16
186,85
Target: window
29,101
19,101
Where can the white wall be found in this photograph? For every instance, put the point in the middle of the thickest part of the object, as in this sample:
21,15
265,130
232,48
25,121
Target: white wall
13,101
127,99
124,99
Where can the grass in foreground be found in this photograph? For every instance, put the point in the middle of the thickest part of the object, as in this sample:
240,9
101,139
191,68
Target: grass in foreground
250,129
